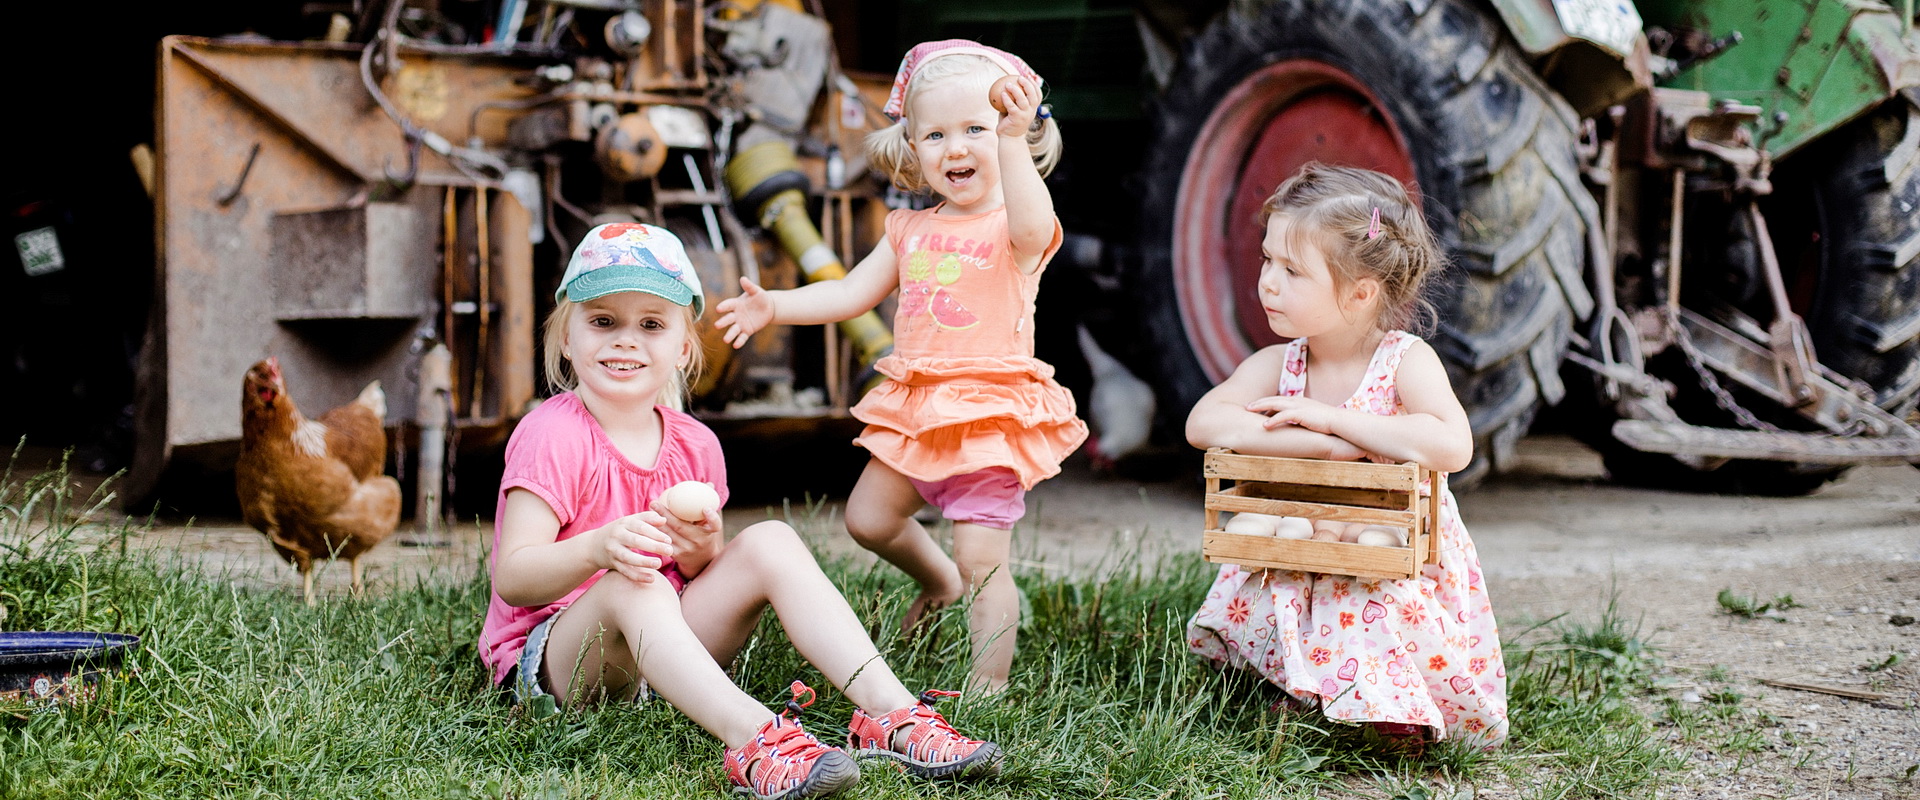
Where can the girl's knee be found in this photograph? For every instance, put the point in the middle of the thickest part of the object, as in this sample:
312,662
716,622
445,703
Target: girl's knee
872,528
623,590
982,553
771,542
977,568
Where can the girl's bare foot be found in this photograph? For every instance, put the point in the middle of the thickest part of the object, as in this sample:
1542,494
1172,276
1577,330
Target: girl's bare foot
922,609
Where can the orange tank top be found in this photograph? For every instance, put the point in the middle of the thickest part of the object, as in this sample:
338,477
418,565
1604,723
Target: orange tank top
964,390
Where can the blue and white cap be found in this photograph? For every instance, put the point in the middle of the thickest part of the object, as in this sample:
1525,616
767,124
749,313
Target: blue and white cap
631,257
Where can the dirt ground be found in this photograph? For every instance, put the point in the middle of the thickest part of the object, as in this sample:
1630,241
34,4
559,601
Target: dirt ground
1554,538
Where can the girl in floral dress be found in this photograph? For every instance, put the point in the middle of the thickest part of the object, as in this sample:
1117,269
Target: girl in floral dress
1344,261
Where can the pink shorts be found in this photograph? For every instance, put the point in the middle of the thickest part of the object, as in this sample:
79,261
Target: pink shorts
991,497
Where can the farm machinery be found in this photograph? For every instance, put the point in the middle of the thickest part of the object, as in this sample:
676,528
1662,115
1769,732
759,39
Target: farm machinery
396,199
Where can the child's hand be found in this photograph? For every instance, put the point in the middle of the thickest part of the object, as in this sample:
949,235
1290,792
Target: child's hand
695,544
622,543
1021,99
745,315
1304,412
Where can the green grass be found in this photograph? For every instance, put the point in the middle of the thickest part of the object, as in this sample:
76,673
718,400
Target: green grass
237,692
1752,608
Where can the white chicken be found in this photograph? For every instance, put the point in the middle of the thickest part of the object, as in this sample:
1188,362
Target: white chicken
1120,407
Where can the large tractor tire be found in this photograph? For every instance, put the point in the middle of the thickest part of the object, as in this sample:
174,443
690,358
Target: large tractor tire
1438,97
1845,222
1855,276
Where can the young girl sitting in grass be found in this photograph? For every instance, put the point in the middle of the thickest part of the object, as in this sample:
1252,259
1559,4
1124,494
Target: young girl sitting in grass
599,592
1344,261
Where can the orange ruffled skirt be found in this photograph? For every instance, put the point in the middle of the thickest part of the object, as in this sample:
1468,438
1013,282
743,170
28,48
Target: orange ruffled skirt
940,417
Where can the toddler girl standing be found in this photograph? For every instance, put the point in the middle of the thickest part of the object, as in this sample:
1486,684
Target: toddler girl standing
968,419
597,592
1344,260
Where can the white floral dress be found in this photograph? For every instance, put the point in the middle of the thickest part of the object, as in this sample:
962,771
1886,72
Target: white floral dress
1422,652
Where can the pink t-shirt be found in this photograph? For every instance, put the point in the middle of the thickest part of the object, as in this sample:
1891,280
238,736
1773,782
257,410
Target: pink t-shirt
560,453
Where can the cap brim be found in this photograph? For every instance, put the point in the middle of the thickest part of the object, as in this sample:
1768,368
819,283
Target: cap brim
631,278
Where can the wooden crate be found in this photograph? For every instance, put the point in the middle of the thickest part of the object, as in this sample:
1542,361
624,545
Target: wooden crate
1400,495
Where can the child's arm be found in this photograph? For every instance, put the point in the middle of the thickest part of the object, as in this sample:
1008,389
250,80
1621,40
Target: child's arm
816,303
1434,431
1226,416
1030,219
532,568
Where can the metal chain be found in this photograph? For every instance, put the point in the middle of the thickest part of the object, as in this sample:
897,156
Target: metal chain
1721,396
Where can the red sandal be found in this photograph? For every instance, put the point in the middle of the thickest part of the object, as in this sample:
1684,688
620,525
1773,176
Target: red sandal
933,748
782,761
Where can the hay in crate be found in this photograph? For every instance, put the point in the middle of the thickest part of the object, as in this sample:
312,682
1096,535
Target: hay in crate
1397,495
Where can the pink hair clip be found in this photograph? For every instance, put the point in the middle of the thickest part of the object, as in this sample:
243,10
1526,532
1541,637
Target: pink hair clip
1373,228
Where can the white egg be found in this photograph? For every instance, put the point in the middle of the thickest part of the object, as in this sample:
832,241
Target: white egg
1294,528
1250,524
690,500
1381,536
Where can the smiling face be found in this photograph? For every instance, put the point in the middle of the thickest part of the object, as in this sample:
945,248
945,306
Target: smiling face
1297,287
951,124
627,347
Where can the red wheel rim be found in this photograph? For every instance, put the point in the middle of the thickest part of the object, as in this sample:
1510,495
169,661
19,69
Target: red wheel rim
1265,128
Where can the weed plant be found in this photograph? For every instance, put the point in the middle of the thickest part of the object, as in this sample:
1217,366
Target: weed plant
241,693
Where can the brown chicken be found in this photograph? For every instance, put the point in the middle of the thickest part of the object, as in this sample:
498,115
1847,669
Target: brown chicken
316,488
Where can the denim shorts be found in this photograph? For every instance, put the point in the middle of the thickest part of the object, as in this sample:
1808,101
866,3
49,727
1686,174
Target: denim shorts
528,678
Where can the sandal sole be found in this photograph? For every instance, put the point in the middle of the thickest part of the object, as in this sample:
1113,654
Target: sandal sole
835,771
983,762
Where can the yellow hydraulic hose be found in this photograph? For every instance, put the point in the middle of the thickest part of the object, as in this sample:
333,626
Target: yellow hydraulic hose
767,179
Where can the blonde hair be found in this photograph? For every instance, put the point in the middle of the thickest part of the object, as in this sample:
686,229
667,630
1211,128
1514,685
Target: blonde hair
1334,208
560,375
890,149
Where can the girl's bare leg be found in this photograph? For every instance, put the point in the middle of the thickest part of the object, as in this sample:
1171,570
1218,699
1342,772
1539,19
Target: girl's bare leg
983,555
880,517
620,631
768,564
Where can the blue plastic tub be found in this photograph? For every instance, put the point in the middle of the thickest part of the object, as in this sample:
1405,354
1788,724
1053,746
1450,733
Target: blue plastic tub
43,668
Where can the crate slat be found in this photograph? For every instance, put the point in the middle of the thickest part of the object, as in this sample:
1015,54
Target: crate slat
1308,555
1371,498
1346,474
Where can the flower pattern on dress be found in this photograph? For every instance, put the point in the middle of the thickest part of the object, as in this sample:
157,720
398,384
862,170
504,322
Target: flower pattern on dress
1237,610
1348,645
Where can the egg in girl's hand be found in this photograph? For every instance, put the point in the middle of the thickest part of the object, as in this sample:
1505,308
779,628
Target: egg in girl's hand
690,500
995,91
